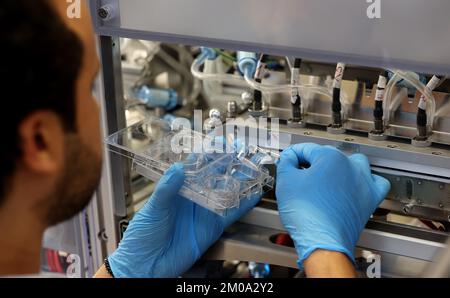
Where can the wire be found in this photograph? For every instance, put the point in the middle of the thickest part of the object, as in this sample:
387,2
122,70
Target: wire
268,88
57,262
411,79
225,55
50,261
195,70
172,62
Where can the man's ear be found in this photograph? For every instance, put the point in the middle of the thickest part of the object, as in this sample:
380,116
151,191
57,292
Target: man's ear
42,142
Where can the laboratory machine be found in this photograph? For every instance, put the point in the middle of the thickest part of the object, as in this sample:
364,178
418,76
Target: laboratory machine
376,86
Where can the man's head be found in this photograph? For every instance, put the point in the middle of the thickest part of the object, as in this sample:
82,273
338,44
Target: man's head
50,159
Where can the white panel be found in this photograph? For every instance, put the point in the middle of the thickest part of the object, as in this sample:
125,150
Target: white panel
410,32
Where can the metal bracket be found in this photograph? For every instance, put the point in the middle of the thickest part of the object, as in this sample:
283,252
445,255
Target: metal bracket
382,237
252,243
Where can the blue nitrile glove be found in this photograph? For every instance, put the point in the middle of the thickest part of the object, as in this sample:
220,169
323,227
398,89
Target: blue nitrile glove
327,205
170,233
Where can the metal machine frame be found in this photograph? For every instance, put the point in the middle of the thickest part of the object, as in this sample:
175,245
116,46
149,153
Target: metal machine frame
250,239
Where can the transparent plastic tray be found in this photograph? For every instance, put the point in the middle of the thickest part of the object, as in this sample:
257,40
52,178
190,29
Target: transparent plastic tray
215,179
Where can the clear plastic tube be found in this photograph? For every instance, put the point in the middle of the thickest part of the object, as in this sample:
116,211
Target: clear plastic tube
195,70
388,97
269,88
421,87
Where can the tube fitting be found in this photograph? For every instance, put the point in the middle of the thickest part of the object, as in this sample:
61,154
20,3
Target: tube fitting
208,53
247,62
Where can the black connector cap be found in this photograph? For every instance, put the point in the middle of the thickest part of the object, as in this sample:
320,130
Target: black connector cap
422,122
257,98
421,117
378,111
296,110
336,105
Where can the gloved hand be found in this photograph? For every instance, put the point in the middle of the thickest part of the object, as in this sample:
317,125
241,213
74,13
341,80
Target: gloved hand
327,205
170,233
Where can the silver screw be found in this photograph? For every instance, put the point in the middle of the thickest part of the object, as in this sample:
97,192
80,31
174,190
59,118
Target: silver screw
419,182
397,179
441,205
441,186
214,113
231,109
307,133
106,12
103,13
247,97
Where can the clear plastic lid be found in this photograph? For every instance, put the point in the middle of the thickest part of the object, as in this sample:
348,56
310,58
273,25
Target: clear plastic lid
220,171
